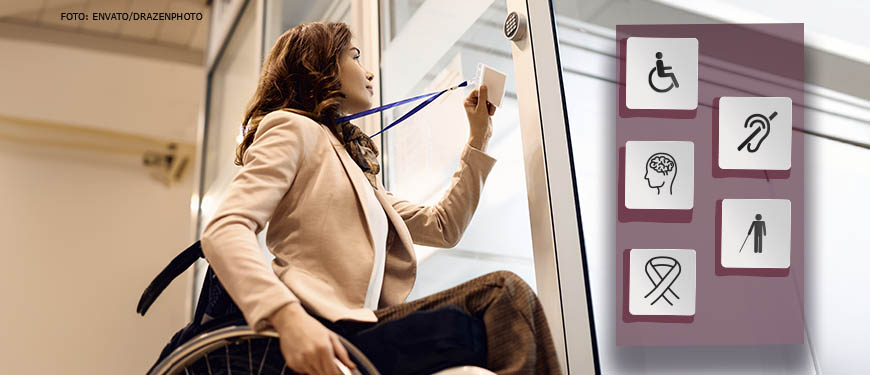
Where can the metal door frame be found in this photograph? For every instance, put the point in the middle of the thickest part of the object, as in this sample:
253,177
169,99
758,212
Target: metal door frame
554,210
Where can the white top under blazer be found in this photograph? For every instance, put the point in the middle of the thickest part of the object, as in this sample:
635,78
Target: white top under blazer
378,230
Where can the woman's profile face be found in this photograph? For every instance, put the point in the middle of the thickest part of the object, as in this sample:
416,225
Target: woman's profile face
356,81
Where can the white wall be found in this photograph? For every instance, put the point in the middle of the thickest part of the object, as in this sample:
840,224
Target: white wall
98,89
84,232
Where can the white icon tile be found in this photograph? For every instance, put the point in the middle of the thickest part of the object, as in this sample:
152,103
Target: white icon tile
662,282
755,133
756,233
659,175
661,73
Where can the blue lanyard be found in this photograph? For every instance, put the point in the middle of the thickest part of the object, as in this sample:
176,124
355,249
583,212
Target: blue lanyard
431,97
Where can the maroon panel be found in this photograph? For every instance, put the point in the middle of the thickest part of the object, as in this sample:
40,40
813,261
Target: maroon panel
733,306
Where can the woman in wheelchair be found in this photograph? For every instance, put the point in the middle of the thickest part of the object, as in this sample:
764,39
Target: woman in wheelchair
343,245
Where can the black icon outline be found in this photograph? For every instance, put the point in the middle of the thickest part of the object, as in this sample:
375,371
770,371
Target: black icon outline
765,123
661,168
760,229
662,71
651,265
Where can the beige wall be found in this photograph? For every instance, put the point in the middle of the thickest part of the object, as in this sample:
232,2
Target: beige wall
82,232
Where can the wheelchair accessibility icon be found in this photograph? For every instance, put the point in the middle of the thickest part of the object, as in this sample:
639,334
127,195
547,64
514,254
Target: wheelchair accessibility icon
661,71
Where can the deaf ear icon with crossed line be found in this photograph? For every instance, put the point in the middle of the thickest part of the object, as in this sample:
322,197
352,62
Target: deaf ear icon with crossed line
761,124
662,281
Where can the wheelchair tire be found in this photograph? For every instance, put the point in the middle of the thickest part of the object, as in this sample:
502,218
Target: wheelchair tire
239,350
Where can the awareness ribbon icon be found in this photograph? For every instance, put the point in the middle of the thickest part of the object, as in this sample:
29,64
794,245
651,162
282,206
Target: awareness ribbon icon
662,283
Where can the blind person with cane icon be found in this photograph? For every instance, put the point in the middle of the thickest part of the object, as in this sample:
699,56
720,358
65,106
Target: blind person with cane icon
760,230
769,234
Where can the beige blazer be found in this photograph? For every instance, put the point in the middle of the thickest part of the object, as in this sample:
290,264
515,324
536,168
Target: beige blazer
298,176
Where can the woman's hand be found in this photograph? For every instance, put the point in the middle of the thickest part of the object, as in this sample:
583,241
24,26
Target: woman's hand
308,347
479,112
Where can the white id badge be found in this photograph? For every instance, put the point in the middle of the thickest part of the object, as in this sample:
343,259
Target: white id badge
494,81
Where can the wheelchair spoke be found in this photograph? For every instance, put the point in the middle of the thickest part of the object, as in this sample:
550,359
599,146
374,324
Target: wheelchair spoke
190,362
229,368
208,365
265,352
250,360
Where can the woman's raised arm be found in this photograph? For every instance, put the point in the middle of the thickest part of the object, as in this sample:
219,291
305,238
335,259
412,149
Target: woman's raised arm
442,224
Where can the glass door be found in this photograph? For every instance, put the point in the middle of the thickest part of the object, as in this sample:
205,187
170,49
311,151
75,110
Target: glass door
423,152
434,44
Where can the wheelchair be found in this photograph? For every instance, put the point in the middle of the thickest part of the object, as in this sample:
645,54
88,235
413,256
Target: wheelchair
219,341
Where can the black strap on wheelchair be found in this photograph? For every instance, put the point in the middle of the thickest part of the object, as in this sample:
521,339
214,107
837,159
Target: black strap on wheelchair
176,267
213,300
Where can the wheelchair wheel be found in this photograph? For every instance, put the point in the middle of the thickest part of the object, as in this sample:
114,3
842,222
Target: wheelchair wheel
239,350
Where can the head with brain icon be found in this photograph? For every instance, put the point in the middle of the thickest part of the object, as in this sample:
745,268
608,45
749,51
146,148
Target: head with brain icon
661,169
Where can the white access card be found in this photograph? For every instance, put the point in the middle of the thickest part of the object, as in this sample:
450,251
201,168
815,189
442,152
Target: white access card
494,81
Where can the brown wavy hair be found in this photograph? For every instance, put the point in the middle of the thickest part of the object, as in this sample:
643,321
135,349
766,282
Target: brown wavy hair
300,75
